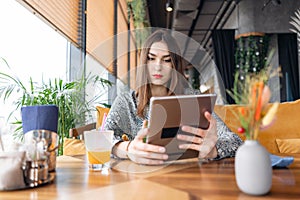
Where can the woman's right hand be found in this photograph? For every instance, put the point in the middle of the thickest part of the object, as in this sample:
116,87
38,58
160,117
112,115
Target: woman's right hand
144,153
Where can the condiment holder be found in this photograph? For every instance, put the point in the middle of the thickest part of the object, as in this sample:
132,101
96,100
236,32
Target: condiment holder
39,124
46,143
35,172
27,165
17,172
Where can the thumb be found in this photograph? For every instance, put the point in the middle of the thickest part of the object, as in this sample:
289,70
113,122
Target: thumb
207,115
144,131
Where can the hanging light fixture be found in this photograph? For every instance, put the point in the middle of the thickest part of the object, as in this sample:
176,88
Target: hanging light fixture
169,6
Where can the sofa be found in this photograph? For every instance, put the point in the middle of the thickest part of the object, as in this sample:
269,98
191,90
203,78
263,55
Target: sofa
282,136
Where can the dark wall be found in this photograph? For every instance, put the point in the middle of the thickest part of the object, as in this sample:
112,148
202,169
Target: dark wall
252,16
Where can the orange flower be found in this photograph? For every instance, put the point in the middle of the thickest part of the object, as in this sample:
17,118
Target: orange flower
259,89
253,92
242,110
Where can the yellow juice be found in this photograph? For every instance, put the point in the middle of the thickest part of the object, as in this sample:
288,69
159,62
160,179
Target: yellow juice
98,156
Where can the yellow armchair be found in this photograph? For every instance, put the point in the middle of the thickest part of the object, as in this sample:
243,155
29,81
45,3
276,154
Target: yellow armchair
73,146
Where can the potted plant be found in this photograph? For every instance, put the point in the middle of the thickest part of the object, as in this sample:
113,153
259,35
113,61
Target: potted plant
74,109
252,160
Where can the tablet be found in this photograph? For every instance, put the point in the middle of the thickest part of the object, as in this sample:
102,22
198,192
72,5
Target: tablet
168,113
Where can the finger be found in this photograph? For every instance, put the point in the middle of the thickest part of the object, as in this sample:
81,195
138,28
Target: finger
196,131
207,115
149,155
153,156
188,138
190,146
142,133
145,123
149,147
212,129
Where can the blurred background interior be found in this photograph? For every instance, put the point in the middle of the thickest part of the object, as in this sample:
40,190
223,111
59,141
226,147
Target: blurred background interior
67,39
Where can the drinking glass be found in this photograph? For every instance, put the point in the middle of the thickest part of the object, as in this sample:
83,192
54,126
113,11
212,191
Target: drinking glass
98,144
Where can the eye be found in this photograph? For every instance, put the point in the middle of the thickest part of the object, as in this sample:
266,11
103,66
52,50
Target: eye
150,58
167,60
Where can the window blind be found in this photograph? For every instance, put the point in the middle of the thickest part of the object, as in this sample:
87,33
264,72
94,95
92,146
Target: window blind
63,16
100,24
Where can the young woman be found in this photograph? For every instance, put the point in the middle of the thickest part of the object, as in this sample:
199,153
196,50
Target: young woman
161,74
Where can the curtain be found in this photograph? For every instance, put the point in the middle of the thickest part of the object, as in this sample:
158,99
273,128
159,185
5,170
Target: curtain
288,60
224,44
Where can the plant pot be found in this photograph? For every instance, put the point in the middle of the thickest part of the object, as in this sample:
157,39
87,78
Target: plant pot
253,169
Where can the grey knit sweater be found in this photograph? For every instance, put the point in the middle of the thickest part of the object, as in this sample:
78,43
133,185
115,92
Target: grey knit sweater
122,119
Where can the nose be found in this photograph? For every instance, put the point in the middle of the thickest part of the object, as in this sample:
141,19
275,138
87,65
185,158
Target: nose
157,65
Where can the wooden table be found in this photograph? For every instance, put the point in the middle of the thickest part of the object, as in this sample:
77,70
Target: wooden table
187,179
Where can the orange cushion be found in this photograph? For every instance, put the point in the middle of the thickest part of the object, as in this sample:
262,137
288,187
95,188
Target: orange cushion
285,126
288,145
100,114
73,147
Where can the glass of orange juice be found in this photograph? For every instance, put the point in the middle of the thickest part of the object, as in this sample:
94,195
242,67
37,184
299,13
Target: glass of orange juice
98,146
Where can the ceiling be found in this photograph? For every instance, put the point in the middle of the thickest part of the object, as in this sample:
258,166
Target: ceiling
194,18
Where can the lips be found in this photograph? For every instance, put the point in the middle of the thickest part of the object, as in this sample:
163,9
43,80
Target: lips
157,76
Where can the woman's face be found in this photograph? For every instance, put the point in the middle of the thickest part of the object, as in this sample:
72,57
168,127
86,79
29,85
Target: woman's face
159,63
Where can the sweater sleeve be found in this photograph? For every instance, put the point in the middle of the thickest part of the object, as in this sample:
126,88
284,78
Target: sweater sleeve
228,142
122,117
113,120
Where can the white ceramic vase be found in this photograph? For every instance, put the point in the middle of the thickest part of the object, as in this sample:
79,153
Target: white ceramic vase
253,169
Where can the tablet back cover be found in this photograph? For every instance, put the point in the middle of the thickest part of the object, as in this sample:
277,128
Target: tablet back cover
167,114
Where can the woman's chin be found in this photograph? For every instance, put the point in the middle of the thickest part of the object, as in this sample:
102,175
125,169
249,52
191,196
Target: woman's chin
158,83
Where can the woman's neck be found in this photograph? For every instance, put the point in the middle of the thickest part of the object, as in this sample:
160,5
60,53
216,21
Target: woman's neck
159,90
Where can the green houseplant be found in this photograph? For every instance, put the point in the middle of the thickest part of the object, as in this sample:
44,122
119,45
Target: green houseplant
137,9
74,108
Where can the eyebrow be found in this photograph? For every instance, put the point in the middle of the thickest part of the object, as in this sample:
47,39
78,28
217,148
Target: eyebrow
152,54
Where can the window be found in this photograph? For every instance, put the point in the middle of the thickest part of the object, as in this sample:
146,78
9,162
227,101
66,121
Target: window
30,46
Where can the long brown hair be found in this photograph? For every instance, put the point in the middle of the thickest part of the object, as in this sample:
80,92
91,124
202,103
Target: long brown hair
175,86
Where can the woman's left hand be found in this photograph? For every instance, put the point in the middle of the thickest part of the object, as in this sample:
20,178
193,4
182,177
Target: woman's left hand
203,141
